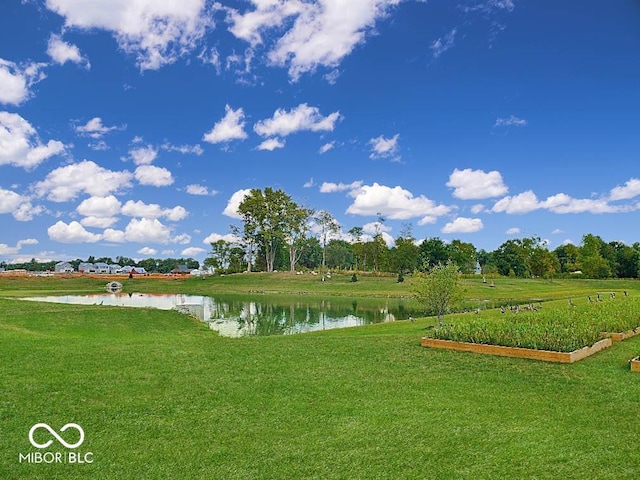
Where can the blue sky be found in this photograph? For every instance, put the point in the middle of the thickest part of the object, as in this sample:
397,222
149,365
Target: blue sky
133,127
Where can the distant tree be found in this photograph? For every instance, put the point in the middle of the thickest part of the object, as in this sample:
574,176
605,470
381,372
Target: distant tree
404,256
569,258
328,226
339,254
439,289
311,253
463,254
432,252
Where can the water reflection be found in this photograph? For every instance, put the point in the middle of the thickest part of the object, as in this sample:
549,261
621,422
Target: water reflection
236,316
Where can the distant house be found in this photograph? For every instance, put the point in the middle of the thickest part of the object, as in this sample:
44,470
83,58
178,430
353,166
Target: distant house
63,267
203,270
115,268
86,267
181,270
133,270
102,267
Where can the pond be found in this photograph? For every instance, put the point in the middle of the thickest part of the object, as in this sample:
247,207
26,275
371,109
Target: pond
240,315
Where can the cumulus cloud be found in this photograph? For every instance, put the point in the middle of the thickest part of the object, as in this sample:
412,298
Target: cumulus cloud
147,230
214,237
62,52
471,184
382,147
316,33
195,189
20,145
513,231
522,203
65,183
99,212
329,187
94,128
73,232
18,205
231,127
16,81
512,121
7,250
301,118
463,225
271,144
192,251
153,210
560,203
157,33
153,176
630,189
143,155
395,203
442,44
477,208
231,210
147,251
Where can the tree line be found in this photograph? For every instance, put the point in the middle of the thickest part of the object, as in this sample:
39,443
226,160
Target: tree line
152,265
278,234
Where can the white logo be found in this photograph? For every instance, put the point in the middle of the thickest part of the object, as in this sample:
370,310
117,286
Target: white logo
57,437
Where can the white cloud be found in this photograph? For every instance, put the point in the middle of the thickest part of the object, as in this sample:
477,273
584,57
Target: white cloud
98,222
317,33
66,183
512,121
195,149
231,127
513,231
271,144
195,189
557,231
99,146
20,145
441,45
18,205
394,203
326,147
630,189
231,210
309,183
476,184
153,210
214,237
522,203
463,225
329,187
7,250
157,33
145,230
113,236
16,80
147,251
73,232
99,212
477,208
375,227
143,155
192,251
182,239
385,148
562,203
301,118
154,176
62,52
95,129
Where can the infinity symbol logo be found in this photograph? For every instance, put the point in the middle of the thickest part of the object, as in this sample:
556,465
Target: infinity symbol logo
58,437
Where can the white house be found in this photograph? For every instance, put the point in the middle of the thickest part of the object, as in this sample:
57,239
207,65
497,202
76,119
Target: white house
63,267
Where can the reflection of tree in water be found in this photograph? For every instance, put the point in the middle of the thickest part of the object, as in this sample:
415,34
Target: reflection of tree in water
274,316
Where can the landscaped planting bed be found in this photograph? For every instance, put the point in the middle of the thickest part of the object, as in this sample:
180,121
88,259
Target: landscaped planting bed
568,330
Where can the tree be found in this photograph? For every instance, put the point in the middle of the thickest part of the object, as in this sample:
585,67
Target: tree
356,243
463,254
339,254
439,289
328,226
295,229
432,252
267,218
404,256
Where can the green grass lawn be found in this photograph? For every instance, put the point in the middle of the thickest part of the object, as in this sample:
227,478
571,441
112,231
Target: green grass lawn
161,396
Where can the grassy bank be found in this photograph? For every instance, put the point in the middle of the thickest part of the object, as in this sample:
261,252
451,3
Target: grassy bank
160,396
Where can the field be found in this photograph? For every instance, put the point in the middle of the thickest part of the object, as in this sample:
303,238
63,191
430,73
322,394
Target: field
160,396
